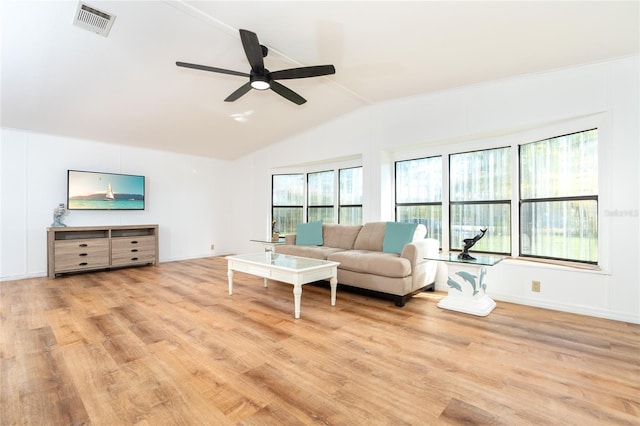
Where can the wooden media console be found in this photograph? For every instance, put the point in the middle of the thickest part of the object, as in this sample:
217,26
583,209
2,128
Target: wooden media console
88,248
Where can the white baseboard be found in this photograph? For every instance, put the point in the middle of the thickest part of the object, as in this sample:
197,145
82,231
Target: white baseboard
23,276
39,274
562,307
574,309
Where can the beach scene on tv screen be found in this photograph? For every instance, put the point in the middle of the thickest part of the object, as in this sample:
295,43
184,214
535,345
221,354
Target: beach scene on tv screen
105,191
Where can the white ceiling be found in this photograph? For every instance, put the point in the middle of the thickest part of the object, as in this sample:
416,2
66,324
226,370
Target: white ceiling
126,89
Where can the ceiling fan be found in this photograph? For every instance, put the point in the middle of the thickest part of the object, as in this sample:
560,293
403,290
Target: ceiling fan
261,78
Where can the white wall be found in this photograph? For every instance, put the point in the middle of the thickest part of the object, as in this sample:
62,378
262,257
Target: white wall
185,195
481,116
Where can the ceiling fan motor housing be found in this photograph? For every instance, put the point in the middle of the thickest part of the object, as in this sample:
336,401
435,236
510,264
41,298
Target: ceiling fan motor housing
260,81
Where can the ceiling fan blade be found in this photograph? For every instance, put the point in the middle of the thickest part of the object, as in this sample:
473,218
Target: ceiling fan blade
287,93
212,69
303,72
241,91
253,50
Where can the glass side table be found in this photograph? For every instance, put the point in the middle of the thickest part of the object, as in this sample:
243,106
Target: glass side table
269,245
467,283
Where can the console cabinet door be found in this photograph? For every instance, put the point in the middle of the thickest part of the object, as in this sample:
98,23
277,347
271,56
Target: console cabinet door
133,250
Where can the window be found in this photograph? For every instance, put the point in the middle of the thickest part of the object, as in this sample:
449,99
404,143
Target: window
559,197
320,196
287,201
480,197
332,196
554,195
350,195
419,193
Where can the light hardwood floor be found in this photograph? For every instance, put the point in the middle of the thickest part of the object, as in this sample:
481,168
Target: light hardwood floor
168,345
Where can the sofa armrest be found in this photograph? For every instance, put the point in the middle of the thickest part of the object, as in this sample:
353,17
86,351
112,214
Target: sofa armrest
416,251
423,271
290,239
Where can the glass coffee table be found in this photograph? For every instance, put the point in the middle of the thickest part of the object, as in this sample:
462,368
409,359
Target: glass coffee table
467,283
289,269
270,244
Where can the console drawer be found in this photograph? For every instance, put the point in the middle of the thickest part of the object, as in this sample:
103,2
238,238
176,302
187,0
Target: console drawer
133,250
77,255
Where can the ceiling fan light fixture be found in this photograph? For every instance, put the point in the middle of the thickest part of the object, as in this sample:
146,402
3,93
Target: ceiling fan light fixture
260,82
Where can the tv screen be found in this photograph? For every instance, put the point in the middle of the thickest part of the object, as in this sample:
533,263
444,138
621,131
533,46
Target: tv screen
104,191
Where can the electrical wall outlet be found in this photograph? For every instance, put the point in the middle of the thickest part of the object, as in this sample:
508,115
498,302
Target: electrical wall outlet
213,246
535,286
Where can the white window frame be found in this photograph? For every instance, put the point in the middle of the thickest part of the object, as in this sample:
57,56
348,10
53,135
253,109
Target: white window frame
306,169
513,138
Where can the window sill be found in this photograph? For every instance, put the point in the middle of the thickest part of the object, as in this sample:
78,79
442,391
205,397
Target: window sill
557,265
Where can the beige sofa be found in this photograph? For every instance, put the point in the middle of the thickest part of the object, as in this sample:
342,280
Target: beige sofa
365,267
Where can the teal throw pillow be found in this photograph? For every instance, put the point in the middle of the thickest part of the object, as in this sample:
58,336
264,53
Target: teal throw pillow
309,234
396,235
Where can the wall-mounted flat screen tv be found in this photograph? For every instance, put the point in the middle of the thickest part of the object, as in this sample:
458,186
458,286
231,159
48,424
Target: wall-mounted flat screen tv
104,191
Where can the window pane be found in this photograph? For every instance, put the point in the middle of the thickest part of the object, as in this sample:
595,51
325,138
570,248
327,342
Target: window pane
565,166
480,175
560,229
350,215
325,214
468,219
287,218
476,178
419,181
287,202
351,186
429,215
320,188
559,204
288,190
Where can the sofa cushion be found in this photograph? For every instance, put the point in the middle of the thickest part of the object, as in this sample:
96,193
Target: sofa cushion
315,252
309,234
372,262
370,237
397,235
340,236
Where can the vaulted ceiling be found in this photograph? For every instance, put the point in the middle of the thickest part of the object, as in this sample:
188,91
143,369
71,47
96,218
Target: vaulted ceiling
125,88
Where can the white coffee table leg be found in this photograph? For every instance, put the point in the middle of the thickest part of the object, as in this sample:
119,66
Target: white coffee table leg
297,295
333,282
230,275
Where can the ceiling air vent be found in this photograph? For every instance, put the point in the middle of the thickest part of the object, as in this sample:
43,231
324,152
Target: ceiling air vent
93,19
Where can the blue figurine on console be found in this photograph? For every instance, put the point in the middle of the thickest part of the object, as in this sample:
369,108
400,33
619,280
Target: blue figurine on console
470,242
59,214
